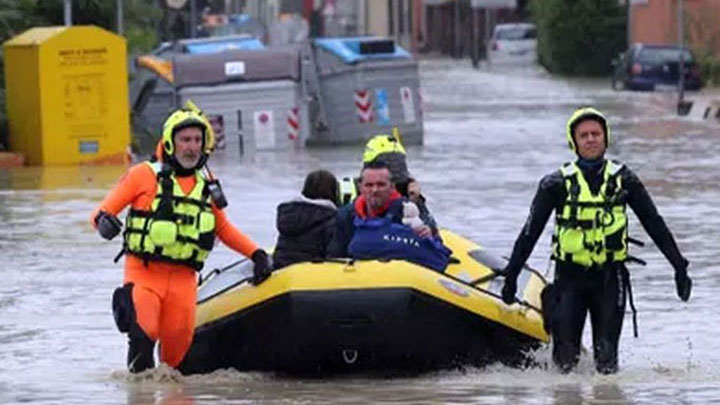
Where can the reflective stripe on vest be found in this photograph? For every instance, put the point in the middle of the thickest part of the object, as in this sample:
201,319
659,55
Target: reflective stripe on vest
591,230
179,228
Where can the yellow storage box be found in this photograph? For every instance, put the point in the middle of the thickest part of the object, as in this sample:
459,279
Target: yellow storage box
67,95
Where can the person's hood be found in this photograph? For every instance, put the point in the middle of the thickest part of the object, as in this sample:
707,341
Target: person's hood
317,201
302,214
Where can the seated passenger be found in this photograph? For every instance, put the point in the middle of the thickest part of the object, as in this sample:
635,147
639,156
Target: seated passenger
382,224
307,222
389,149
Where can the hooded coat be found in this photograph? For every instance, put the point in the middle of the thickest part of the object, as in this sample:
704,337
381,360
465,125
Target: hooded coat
305,228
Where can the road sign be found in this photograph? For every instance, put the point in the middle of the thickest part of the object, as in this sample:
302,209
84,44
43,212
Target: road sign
363,105
408,105
264,127
382,107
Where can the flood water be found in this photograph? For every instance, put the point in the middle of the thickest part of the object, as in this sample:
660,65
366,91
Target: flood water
490,136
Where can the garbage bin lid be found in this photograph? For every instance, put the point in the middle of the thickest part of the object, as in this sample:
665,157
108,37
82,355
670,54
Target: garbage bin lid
352,50
220,45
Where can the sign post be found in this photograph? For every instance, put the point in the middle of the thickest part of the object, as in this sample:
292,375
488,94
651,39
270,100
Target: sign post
67,12
681,62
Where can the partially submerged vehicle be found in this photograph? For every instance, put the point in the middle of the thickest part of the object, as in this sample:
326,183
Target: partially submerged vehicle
345,315
513,43
648,67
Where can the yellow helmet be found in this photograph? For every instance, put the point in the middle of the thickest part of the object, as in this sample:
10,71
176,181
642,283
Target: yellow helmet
379,144
389,149
184,118
210,131
580,115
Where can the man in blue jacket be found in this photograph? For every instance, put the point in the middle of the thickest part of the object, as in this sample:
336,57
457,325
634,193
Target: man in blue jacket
378,198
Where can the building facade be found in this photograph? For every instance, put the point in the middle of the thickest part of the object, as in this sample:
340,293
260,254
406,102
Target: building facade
656,21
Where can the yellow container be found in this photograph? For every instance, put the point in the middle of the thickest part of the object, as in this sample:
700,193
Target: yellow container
67,95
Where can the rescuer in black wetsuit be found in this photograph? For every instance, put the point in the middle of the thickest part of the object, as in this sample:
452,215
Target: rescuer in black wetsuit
590,244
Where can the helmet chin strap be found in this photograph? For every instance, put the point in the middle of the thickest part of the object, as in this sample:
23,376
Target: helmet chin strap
201,162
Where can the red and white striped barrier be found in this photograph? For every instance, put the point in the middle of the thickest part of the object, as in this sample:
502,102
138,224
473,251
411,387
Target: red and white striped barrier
293,123
363,106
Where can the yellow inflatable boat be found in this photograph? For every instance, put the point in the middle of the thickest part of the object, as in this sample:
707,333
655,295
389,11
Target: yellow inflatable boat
351,315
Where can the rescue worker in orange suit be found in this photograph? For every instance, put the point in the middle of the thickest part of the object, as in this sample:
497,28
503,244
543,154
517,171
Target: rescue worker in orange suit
175,214
590,244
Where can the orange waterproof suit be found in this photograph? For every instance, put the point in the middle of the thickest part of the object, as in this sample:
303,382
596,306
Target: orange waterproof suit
164,294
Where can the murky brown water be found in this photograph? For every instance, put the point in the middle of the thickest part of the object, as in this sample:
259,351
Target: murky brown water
490,136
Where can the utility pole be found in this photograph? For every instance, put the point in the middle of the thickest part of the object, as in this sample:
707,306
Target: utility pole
407,25
628,12
193,18
474,54
457,30
488,34
119,13
395,4
681,64
67,11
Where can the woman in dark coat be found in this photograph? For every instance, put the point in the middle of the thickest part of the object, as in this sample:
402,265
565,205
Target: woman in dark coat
306,223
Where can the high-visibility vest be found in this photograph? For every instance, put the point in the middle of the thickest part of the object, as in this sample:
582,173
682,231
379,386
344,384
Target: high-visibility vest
178,228
591,229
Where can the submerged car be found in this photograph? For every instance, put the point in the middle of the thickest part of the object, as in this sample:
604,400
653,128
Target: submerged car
655,67
513,43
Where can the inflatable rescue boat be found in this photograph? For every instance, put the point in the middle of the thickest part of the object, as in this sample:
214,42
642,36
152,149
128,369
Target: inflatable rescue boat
365,315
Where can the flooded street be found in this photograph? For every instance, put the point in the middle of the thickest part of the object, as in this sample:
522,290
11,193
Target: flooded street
489,137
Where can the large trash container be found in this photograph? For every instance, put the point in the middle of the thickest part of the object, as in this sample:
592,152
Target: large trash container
250,91
255,92
67,94
368,86
152,91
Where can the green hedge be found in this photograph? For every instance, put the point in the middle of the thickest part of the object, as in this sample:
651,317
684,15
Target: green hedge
579,37
709,69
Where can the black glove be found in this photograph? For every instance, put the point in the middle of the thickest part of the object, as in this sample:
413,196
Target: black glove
509,290
683,284
261,270
108,225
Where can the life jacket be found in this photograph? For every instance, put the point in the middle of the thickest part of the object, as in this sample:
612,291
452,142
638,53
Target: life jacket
178,228
591,229
382,238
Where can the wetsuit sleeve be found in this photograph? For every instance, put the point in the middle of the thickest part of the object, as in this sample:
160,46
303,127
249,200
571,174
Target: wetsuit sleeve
231,236
427,216
644,208
549,192
138,180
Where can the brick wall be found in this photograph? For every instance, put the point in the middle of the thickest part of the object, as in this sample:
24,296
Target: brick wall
655,21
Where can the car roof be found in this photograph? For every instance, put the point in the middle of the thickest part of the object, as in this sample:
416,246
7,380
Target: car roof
513,26
657,46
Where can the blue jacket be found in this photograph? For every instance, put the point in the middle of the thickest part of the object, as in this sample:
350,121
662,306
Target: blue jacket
345,227
381,238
